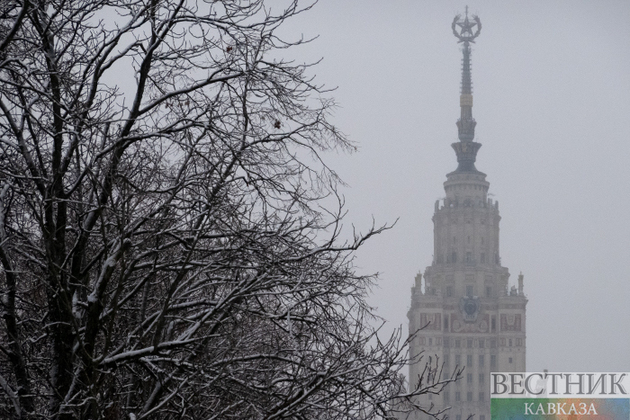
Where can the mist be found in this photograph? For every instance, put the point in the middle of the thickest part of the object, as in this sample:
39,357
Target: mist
551,90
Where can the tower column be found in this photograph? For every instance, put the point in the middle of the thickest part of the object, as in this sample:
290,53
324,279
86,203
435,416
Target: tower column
466,316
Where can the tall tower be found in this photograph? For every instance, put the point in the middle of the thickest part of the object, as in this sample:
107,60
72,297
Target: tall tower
466,315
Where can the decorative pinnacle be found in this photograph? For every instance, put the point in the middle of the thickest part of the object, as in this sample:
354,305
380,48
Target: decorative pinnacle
466,149
465,33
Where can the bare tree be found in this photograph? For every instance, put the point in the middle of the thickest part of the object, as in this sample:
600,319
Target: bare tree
164,243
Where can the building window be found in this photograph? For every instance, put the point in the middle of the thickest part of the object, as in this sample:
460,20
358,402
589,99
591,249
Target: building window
458,396
482,396
457,343
430,341
494,324
445,325
458,359
446,359
447,342
454,257
482,360
458,417
493,361
481,343
469,291
510,342
482,417
482,378
469,257
469,378
449,291
493,344
510,360
469,343
469,396
447,396
488,291
469,361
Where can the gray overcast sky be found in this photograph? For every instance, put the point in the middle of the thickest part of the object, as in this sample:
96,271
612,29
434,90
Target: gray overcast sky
551,85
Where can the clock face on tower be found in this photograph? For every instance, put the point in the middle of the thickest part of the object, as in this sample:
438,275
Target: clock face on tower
469,307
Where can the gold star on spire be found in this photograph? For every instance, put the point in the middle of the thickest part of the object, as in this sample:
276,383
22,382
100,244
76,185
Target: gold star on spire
466,33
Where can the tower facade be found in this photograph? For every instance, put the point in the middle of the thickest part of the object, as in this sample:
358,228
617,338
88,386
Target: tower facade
465,314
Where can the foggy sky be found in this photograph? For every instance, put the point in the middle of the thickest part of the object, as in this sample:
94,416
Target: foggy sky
551,86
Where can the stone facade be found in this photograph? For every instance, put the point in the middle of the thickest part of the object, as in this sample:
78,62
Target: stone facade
465,313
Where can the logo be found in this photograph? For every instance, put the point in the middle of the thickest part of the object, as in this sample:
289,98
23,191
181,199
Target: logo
560,395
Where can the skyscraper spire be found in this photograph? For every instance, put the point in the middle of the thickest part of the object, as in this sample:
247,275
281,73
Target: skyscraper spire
466,149
462,308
